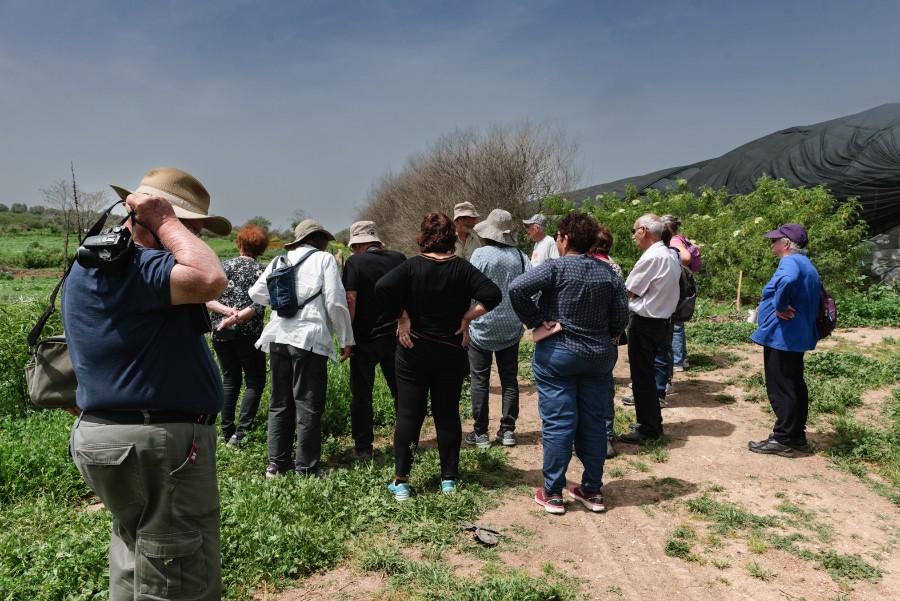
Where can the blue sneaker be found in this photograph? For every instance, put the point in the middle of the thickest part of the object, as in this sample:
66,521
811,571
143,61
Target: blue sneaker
448,487
400,490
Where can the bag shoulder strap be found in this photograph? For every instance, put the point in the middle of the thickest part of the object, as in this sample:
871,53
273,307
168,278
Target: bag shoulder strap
35,332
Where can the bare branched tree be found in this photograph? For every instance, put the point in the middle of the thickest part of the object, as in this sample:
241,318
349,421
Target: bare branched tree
79,209
508,167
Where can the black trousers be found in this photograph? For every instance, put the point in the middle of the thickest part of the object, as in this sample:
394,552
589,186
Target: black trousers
788,394
479,389
645,335
438,370
296,404
368,354
239,358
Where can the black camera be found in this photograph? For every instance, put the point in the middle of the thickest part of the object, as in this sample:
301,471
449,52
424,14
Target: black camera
109,250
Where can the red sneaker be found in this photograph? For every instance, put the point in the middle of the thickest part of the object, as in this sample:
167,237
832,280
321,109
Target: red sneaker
593,501
550,503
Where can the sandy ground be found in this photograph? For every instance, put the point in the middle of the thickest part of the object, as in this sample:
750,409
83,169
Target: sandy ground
620,554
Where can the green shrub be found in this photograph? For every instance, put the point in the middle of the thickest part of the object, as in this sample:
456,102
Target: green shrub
729,231
879,306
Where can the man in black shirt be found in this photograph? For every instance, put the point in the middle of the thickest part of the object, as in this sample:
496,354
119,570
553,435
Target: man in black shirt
374,331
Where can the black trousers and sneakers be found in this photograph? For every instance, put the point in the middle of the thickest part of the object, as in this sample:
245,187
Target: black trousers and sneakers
789,397
645,335
435,370
508,369
366,355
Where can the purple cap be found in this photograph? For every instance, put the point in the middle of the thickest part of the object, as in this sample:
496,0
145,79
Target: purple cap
792,231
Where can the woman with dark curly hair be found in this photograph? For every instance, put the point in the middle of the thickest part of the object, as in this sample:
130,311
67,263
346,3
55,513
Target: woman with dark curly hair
432,293
237,323
573,368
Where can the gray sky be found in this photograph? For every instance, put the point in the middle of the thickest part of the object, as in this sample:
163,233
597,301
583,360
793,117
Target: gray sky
281,105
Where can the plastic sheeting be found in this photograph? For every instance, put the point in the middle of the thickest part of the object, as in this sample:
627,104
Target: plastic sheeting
857,155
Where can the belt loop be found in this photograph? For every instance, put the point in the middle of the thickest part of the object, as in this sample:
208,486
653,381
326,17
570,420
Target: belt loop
146,415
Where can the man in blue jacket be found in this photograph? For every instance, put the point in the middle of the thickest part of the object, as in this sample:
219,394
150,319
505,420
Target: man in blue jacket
787,329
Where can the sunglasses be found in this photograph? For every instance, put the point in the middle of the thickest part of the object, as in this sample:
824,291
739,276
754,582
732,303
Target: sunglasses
635,230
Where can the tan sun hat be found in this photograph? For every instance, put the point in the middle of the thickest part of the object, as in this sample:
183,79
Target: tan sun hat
362,232
185,193
464,209
497,227
304,229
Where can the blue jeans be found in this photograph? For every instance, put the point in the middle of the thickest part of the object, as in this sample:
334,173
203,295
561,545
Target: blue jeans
679,346
573,396
662,363
609,407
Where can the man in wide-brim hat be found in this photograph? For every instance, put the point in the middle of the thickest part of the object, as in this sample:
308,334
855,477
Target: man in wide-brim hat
299,348
149,391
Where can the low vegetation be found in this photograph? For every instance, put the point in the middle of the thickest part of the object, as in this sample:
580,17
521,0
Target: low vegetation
53,541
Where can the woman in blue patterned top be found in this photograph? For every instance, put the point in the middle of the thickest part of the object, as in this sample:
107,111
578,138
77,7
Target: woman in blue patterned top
237,324
573,368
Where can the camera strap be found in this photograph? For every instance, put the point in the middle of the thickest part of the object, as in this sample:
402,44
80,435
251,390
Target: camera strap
39,326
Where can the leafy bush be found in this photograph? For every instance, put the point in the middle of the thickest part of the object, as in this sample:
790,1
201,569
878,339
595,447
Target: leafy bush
879,306
729,231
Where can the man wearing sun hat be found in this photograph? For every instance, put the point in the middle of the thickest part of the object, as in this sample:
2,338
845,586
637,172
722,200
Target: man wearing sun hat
299,348
544,247
375,333
464,218
787,329
149,392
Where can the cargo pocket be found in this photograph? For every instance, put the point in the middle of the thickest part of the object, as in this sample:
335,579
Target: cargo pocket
111,470
194,487
169,565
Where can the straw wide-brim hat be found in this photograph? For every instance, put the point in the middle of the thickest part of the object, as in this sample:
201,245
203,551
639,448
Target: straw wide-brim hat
304,229
496,227
188,197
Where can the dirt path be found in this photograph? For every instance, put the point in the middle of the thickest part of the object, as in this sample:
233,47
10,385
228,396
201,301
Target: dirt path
621,553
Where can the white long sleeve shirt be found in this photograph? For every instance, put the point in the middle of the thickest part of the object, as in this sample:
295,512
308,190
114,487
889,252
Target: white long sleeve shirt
654,283
313,327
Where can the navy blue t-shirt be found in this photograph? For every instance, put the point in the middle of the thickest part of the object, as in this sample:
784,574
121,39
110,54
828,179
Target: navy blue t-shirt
131,348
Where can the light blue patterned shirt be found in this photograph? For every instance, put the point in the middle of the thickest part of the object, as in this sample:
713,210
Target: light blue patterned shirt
500,328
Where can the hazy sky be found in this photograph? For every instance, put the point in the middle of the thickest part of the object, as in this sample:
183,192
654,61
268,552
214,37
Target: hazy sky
279,105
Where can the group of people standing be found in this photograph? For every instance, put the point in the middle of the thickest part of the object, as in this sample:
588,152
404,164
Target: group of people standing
149,391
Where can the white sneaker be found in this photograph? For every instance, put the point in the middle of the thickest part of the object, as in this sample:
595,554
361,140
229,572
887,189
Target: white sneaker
670,389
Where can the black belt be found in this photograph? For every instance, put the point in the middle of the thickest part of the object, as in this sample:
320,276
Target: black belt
125,418
636,316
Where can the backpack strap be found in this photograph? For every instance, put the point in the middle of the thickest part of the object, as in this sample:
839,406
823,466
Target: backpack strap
301,304
35,332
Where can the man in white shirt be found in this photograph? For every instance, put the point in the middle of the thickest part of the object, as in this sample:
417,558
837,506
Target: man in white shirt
544,247
652,288
299,348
